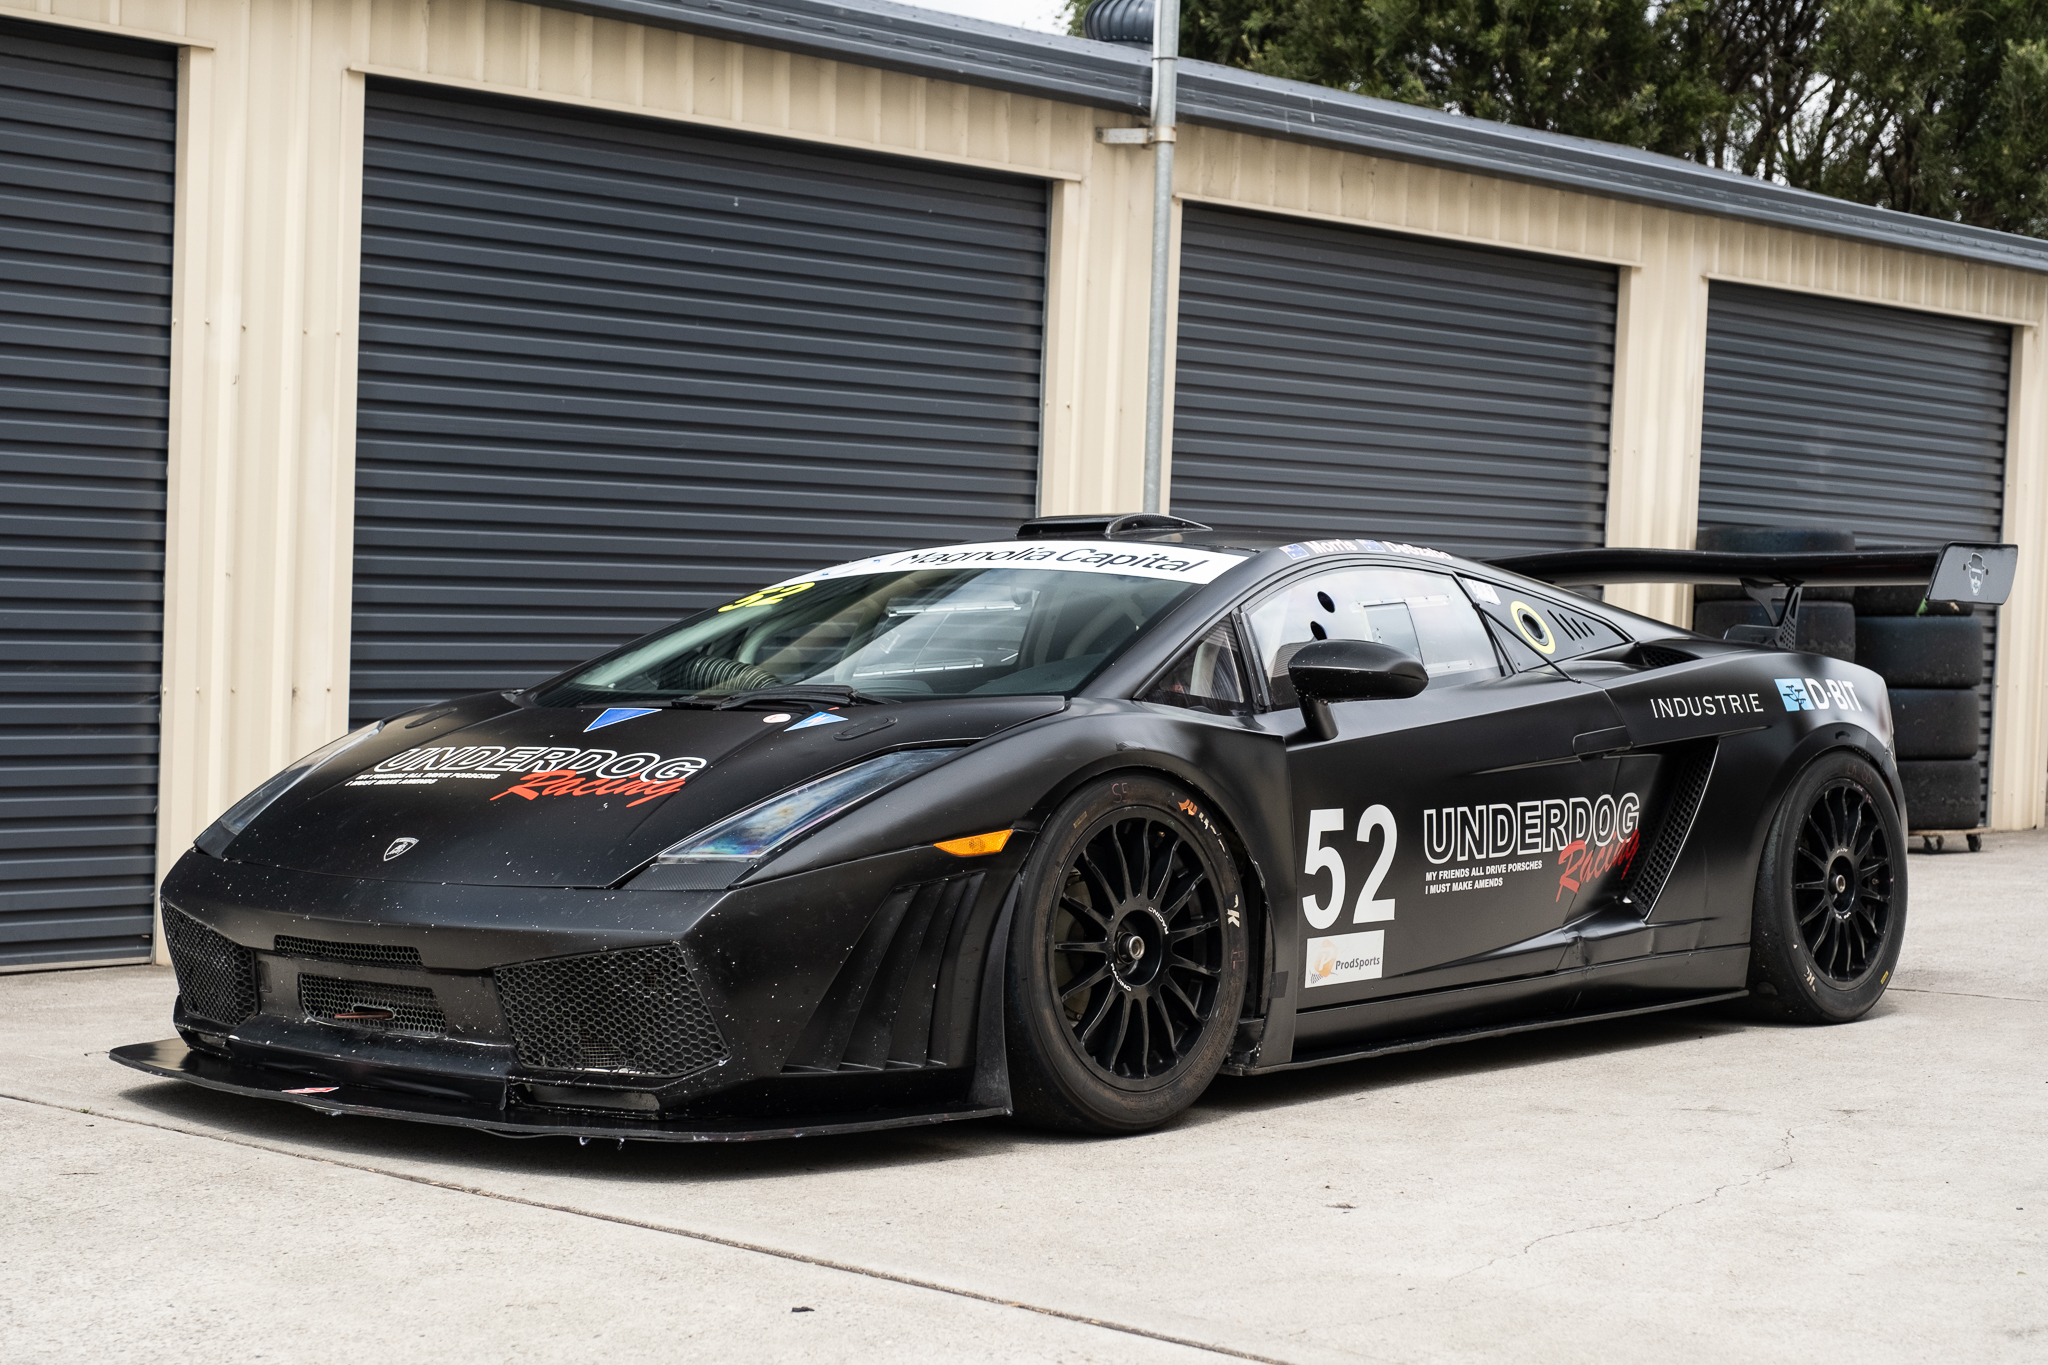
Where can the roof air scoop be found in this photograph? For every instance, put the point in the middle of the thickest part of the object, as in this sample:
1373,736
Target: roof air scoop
1105,526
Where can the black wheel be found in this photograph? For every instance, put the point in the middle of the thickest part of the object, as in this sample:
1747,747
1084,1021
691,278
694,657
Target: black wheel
1830,896
1126,960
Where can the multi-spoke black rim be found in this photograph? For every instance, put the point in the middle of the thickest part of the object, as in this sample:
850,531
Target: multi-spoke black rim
1136,946
1842,881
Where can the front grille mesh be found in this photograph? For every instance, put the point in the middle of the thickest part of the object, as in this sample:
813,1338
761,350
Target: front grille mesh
216,977
365,954
635,1012
412,1009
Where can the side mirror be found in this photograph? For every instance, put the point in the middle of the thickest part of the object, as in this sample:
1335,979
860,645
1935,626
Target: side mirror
1349,670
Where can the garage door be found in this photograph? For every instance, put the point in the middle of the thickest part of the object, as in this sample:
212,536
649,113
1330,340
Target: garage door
613,372
87,138
1333,382
1880,421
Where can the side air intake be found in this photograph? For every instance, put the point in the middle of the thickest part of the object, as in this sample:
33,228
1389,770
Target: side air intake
216,977
901,1001
1686,793
635,1012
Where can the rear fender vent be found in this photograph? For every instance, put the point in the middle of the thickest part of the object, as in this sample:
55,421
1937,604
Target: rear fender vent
901,1000
1687,791
216,977
362,954
636,1012
373,1005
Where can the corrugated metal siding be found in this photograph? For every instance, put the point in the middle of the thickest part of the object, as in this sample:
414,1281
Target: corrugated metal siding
613,372
1337,382
87,146
1890,423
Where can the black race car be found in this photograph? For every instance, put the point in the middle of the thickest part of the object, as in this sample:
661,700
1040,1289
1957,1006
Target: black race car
1059,827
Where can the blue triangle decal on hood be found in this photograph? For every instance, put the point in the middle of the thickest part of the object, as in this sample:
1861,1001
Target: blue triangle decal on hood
614,714
819,718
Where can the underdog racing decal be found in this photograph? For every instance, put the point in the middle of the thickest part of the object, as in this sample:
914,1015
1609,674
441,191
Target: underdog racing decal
1590,837
541,771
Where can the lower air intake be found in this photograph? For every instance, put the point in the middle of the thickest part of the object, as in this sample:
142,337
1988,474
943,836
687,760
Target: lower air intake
635,1012
1687,791
373,1005
216,977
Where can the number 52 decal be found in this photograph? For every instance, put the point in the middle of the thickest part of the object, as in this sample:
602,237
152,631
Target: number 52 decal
1325,858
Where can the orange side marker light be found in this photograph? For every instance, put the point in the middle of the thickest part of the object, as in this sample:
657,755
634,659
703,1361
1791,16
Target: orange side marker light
975,845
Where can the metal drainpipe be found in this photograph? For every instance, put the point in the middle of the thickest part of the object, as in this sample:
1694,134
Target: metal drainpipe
1165,60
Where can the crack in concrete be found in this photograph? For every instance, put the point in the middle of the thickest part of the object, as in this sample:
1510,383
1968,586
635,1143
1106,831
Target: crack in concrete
1718,1191
780,1253
1968,995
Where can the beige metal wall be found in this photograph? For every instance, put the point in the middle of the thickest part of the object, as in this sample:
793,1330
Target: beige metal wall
265,301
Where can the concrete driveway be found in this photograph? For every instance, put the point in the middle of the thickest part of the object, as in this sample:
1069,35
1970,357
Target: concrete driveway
1680,1186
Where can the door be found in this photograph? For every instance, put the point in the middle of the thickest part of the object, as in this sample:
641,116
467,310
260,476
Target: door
88,141
1333,382
616,371
1441,833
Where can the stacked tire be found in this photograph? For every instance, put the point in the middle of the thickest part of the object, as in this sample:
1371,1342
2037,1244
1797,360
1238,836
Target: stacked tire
1827,616
1931,657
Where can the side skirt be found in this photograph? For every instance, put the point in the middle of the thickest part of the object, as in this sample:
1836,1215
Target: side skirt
1467,1035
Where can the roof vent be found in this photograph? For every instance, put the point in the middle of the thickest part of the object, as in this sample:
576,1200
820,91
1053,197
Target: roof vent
1104,526
1119,21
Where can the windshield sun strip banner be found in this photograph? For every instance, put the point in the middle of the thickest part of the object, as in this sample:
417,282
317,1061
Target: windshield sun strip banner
1177,563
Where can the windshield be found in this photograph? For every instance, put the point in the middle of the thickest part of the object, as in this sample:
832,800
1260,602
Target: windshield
891,636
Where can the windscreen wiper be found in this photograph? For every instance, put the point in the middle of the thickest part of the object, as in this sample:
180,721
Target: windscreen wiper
809,694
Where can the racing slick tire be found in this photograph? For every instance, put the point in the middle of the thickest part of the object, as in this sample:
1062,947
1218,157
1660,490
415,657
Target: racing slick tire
1942,793
1905,602
1824,627
1830,908
1922,651
1126,960
1935,722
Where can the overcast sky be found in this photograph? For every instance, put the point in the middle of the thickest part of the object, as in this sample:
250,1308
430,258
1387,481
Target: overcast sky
1047,16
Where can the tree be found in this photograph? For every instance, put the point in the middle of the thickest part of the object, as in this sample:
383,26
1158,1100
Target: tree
1935,107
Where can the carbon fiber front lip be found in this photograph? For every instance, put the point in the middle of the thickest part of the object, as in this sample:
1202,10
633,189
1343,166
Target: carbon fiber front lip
171,1059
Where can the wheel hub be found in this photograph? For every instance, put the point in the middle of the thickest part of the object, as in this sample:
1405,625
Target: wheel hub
1842,880
1139,936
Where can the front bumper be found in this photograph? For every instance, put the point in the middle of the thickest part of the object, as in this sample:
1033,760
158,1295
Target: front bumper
173,1060
843,999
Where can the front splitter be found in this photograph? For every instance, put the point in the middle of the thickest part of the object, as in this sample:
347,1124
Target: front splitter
173,1060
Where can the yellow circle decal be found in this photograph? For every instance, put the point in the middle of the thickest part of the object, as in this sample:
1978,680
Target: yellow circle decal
768,597
1525,617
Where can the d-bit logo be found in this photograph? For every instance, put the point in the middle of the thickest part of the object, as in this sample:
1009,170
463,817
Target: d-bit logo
398,848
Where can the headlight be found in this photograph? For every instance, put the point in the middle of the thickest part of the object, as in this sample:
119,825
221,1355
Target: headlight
759,830
238,816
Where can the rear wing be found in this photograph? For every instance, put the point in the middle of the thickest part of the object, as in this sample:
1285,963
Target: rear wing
1956,572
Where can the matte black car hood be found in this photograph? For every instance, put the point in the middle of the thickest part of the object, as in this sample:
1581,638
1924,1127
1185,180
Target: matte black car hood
475,812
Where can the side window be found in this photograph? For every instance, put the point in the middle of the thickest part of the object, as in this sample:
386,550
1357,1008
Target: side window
1209,677
1421,614
1538,630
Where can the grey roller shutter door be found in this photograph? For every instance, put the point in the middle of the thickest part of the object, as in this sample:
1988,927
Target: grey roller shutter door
1888,423
1337,382
87,146
613,372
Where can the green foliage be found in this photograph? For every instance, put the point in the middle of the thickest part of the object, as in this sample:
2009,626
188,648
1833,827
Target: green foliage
1935,107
